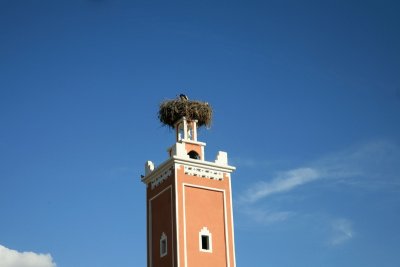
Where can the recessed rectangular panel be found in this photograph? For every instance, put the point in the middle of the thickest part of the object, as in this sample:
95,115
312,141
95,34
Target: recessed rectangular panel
205,211
161,222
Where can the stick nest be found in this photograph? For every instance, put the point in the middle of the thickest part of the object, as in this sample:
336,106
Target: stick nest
173,110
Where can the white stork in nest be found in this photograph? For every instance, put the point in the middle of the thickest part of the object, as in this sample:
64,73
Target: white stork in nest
183,97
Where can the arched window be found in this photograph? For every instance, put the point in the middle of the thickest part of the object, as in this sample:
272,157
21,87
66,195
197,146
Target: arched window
193,155
205,240
163,245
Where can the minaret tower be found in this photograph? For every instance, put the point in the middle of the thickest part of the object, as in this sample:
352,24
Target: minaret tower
189,205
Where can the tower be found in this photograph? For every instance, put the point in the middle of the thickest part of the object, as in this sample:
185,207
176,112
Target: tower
189,205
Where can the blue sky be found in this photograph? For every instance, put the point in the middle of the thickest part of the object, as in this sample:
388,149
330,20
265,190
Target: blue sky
306,100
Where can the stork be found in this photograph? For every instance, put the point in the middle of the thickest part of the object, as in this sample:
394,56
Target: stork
183,97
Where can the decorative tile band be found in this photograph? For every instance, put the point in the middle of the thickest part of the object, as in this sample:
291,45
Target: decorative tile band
157,181
204,173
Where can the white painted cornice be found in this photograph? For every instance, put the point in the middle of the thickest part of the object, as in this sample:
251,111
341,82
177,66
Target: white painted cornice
200,163
185,161
158,170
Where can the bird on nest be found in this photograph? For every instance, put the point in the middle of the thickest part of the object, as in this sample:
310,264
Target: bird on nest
183,97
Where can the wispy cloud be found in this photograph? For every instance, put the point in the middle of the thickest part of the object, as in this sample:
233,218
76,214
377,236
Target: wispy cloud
373,165
266,217
13,258
370,166
284,182
342,231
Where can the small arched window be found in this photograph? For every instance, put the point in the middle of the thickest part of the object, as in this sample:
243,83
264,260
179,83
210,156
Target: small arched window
193,155
163,245
205,240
